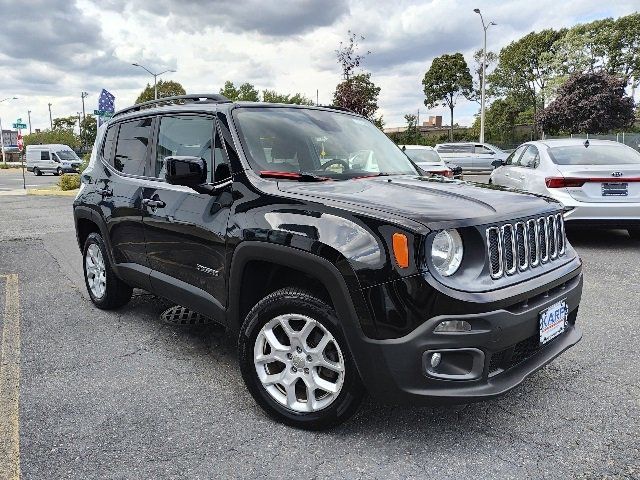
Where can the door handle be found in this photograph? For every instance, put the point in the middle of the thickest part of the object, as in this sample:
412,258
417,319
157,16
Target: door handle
507,174
105,192
153,203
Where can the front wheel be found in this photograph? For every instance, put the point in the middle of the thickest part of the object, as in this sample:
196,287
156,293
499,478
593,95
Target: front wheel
105,289
634,233
296,363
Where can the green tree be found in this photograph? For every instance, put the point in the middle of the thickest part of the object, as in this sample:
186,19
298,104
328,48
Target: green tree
65,123
447,79
411,135
492,58
167,88
589,103
526,66
501,119
358,94
272,96
245,93
64,136
89,131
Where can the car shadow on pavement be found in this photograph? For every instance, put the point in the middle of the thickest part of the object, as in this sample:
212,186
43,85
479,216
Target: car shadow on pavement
211,347
593,237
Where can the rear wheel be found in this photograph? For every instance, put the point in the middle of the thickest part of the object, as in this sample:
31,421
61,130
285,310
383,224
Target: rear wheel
634,233
105,289
295,362
36,171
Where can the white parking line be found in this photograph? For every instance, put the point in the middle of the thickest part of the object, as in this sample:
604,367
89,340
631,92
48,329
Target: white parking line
10,381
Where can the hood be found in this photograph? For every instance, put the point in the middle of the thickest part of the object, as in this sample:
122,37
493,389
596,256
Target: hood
436,203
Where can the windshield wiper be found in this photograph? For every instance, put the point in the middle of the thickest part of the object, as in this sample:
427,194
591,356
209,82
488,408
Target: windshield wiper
299,176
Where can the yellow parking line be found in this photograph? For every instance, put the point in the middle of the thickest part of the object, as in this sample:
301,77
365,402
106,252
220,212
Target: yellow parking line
10,381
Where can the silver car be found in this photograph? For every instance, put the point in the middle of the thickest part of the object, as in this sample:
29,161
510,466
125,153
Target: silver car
427,159
471,156
598,181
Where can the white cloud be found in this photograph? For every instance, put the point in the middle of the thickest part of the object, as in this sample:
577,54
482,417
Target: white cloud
286,45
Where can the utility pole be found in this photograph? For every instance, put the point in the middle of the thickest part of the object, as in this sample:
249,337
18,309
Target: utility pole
83,95
484,71
29,116
50,117
79,124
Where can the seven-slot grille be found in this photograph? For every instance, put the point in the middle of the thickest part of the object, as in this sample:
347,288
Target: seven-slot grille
518,246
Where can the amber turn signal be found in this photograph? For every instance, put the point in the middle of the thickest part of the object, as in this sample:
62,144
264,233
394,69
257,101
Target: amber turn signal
401,249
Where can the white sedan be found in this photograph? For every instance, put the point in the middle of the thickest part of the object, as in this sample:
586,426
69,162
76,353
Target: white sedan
597,181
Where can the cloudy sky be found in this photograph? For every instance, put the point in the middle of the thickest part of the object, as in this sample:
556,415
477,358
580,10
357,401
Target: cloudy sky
51,50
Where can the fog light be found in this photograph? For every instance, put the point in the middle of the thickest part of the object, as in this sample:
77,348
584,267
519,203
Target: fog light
453,326
435,360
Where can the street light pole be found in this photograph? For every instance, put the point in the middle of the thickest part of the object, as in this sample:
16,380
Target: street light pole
4,159
155,78
29,116
83,95
50,118
484,72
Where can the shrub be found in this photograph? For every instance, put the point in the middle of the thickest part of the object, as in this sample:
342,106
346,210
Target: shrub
69,181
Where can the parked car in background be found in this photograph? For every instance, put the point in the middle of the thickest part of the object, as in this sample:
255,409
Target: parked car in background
428,160
597,181
471,156
53,158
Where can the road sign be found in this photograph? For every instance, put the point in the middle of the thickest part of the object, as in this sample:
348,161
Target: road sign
102,113
19,126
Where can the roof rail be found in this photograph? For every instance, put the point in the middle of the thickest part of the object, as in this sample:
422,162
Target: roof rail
336,107
177,100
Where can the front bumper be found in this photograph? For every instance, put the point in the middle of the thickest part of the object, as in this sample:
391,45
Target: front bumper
395,370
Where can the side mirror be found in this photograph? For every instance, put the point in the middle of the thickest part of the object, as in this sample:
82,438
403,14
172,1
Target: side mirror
497,163
186,171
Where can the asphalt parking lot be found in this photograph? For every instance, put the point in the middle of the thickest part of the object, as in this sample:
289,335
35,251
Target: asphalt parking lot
11,180
123,395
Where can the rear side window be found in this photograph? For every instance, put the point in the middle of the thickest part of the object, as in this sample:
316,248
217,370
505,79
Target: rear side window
189,136
44,155
109,143
131,150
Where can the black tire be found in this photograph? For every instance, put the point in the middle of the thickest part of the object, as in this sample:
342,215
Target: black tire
297,301
59,172
634,233
37,172
117,293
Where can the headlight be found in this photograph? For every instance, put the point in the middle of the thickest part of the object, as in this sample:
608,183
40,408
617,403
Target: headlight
446,252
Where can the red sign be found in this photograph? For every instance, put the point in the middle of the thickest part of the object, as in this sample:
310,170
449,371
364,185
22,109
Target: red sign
20,142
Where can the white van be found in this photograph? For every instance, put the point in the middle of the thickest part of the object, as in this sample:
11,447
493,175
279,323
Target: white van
53,158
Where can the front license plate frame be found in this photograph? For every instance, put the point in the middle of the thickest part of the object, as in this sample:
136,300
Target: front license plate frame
553,321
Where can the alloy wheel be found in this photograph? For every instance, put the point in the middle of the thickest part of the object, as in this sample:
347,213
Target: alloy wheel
299,363
96,271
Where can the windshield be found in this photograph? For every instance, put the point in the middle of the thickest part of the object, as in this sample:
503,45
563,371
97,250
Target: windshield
423,155
319,142
594,155
67,155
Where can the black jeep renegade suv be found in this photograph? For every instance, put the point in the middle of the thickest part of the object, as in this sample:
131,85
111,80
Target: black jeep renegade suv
340,266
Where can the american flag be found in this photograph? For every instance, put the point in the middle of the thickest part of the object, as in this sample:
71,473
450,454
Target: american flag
106,103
